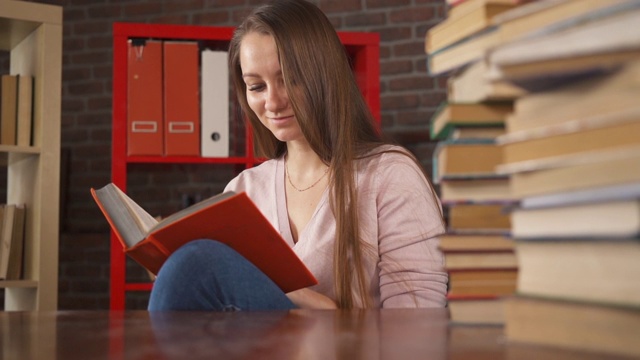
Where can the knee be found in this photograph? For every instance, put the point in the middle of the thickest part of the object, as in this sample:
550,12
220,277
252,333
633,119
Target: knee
195,247
198,254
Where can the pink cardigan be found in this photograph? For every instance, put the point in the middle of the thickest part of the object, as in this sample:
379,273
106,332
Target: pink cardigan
399,221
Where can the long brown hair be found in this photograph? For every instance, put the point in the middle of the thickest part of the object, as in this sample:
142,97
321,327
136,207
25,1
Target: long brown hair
331,112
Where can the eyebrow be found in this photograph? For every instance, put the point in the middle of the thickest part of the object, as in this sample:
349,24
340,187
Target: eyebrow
278,73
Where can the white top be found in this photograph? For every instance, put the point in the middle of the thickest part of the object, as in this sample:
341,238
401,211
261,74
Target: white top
399,220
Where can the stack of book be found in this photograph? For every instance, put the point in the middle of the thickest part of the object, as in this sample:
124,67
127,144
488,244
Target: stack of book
572,152
459,45
478,250
479,255
467,31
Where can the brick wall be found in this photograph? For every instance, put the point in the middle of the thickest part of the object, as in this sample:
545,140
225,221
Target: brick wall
408,99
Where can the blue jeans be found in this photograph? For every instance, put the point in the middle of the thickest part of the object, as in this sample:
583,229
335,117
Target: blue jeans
209,275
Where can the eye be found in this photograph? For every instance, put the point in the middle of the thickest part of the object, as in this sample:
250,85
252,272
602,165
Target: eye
255,87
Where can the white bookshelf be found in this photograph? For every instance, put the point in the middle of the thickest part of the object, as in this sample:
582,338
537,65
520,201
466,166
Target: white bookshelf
32,33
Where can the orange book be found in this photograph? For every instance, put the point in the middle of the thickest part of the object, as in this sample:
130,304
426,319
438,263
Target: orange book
181,98
144,98
230,218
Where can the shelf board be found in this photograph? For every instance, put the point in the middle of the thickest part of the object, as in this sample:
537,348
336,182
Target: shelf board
19,19
172,31
138,286
190,160
5,150
19,149
18,284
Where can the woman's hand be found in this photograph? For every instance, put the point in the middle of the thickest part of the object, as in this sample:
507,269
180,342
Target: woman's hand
309,299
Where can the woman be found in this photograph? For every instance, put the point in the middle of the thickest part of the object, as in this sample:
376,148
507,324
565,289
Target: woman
359,213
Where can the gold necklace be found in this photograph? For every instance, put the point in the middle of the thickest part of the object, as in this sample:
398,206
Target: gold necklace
286,167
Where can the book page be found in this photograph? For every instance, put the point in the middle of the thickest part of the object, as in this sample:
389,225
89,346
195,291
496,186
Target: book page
144,220
191,209
116,206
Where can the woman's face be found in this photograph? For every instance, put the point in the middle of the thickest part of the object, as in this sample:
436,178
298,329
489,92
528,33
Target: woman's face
266,93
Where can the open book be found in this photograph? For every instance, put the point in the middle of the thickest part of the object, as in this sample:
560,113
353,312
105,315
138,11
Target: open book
230,218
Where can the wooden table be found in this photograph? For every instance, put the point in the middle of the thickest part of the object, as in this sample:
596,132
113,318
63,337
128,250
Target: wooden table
298,334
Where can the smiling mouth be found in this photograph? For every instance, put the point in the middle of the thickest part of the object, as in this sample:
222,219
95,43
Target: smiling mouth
281,118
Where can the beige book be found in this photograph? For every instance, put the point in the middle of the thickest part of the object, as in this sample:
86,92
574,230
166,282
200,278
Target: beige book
473,84
480,260
584,327
461,242
482,189
557,269
462,160
573,143
454,29
25,110
477,311
606,96
8,109
620,168
14,265
603,43
6,234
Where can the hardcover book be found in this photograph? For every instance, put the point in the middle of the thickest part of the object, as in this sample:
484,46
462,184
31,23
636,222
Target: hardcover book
603,270
476,309
231,218
450,116
464,160
607,330
8,109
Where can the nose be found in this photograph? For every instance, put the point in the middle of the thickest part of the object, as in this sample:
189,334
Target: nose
277,99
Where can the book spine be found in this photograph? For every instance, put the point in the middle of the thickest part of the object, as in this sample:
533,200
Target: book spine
8,109
150,254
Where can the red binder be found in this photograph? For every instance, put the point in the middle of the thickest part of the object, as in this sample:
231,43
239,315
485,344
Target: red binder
181,99
144,113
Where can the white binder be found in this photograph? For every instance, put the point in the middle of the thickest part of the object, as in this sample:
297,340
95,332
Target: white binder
214,104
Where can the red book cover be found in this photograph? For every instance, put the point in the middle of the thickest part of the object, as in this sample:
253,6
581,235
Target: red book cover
232,219
144,98
181,98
